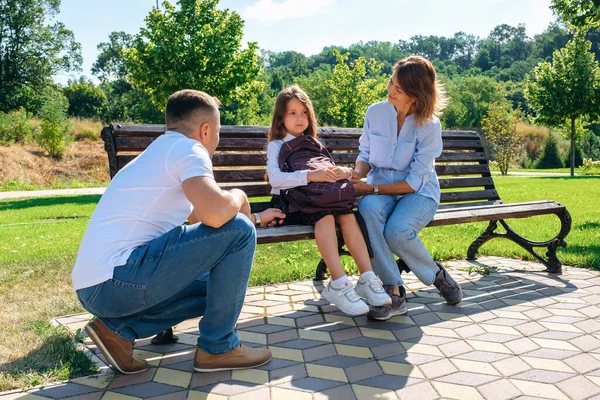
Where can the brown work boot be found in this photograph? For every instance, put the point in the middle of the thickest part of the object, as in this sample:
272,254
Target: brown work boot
118,351
239,358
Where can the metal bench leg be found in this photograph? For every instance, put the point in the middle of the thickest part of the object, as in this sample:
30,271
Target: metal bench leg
552,263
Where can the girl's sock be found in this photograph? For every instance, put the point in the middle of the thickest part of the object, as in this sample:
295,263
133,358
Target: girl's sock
365,276
340,282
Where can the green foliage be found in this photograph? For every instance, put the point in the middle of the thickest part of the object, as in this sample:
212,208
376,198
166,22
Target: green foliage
110,64
500,126
16,127
33,48
193,46
352,92
578,158
470,98
86,100
590,167
550,157
590,145
568,88
579,13
55,125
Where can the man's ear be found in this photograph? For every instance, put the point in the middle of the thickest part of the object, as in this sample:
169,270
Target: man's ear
204,130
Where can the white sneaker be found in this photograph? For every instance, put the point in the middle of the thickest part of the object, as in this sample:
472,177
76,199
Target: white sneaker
372,290
345,299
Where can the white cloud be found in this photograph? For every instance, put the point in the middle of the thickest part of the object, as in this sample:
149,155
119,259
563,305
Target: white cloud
267,10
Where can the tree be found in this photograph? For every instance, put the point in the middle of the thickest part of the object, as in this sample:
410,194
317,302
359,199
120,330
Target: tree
550,157
55,125
32,51
110,64
193,46
86,100
500,126
579,13
351,92
470,98
566,89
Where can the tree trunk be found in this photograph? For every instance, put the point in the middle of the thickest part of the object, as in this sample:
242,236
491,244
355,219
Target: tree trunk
572,146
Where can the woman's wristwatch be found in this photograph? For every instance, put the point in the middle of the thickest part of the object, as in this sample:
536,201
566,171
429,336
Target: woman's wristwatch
257,220
375,188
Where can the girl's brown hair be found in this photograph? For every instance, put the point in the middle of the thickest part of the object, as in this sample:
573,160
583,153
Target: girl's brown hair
277,130
417,78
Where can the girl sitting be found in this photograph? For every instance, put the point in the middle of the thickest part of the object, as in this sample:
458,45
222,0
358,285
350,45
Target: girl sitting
293,116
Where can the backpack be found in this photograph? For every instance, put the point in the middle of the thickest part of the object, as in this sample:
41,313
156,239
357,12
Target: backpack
306,152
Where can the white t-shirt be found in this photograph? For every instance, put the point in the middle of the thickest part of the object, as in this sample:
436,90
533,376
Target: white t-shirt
142,202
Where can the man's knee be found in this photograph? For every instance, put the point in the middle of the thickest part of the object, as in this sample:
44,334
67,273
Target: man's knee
242,224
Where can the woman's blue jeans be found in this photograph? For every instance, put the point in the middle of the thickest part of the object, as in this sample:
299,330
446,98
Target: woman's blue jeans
394,223
190,271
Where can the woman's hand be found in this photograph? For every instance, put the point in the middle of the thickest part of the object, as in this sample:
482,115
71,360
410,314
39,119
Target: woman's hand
271,217
361,187
322,175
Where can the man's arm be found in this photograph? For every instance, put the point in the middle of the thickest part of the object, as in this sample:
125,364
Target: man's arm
213,206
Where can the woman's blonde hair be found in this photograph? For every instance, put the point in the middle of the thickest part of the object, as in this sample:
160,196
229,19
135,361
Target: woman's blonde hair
277,130
417,78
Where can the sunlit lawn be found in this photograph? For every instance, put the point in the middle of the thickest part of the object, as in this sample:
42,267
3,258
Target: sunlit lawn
39,240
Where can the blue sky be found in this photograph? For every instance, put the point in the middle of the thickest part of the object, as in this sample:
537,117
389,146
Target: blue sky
309,25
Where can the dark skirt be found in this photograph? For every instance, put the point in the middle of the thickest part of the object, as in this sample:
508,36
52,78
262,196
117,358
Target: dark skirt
301,218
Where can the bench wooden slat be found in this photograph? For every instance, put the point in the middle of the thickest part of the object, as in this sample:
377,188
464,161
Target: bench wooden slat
450,197
451,144
442,170
487,205
125,143
240,175
465,182
504,211
477,214
151,130
461,156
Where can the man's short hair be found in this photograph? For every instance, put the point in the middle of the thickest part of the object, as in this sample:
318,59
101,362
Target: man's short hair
188,104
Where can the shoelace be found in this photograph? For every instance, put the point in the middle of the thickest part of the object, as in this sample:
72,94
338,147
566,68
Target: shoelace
349,292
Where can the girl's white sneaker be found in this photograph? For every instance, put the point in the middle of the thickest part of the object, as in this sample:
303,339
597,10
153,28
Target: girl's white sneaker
345,299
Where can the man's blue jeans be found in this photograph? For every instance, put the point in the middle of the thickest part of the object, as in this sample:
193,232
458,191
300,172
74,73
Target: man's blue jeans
394,223
191,271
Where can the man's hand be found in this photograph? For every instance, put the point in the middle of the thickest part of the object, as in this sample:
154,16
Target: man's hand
271,217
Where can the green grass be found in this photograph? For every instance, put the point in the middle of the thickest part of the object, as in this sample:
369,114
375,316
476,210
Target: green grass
551,170
18,185
39,240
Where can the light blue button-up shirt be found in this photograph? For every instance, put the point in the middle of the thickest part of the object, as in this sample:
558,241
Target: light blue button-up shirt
409,155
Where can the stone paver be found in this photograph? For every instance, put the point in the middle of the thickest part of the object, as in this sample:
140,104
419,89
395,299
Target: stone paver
519,333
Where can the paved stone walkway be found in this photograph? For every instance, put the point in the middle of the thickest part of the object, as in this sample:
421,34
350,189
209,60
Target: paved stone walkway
519,333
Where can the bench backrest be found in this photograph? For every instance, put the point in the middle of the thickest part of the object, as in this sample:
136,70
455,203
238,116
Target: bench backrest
240,159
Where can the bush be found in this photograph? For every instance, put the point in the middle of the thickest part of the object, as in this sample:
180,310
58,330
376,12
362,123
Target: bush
590,167
578,158
55,125
534,137
82,128
550,157
85,99
16,127
590,145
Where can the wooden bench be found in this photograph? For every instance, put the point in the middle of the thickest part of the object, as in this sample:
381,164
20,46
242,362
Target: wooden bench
468,191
